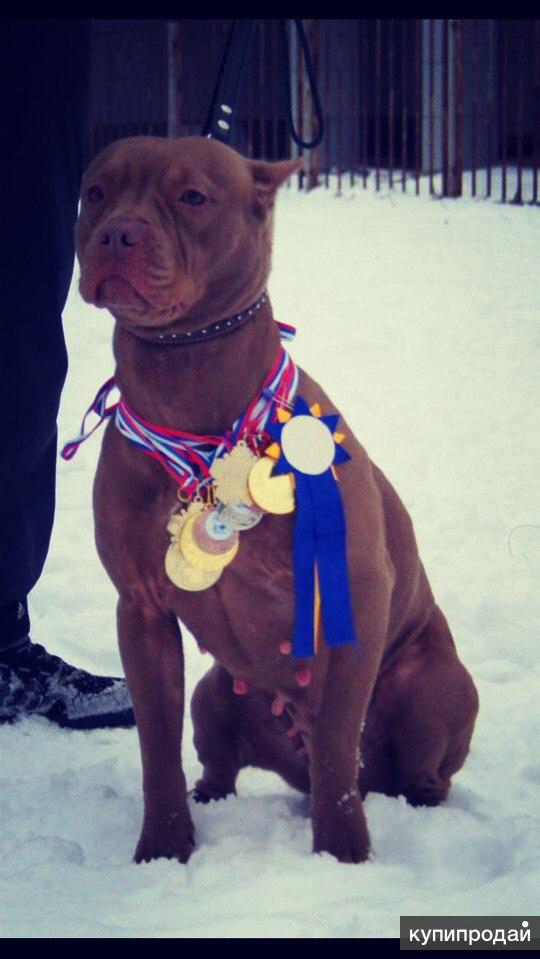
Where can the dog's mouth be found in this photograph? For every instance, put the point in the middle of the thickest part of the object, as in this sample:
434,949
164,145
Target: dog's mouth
115,292
129,301
132,308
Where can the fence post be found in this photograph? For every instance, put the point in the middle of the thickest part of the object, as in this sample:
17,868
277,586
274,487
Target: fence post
174,79
455,111
296,101
432,54
311,157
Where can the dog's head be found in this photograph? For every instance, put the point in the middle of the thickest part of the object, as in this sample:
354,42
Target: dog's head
171,231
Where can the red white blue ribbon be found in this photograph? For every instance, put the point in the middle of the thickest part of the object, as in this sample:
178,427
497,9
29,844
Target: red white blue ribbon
286,331
187,457
102,411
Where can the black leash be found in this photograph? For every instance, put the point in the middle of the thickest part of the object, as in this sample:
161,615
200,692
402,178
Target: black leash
313,88
227,86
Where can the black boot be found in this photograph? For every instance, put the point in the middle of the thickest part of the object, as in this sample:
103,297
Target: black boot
35,683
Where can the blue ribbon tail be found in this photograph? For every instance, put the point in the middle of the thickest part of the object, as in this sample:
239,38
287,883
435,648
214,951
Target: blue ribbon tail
304,570
331,555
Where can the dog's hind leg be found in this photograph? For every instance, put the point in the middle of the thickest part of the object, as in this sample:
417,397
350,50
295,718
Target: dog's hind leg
431,715
215,735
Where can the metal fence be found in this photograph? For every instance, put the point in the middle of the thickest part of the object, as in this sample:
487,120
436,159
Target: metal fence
445,107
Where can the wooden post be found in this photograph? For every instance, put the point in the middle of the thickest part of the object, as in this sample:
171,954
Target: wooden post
419,108
474,119
340,104
174,79
504,110
391,101
454,179
447,113
522,27
536,89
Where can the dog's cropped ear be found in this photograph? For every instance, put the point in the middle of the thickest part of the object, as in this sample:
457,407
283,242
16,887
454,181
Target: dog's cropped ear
268,177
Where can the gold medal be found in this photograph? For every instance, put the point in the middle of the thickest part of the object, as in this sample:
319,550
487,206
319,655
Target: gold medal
201,558
230,473
180,572
273,494
184,575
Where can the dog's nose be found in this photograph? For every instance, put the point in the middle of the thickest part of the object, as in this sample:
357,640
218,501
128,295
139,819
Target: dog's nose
123,234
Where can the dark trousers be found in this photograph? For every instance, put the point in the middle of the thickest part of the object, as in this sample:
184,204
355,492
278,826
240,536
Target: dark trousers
44,97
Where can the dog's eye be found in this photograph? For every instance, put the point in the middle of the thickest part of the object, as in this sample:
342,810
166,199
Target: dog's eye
95,194
193,198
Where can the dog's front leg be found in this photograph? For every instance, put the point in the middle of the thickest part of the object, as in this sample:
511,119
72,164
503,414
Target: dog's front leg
151,650
339,824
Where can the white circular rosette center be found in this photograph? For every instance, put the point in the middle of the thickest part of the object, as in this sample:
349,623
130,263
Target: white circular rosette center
308,445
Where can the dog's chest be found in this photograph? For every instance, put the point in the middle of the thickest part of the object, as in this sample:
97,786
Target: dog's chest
246,619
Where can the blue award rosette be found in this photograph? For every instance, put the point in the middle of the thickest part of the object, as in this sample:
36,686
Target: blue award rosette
309,449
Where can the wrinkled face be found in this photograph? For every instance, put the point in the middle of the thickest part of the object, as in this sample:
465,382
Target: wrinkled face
173,230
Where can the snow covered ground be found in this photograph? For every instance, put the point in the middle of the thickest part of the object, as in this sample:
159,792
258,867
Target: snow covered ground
421,318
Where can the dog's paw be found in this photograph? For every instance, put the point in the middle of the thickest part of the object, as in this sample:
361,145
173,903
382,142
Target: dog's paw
342,830
201,797
205,792
170,837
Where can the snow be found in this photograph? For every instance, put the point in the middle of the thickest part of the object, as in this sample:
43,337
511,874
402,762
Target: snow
420,318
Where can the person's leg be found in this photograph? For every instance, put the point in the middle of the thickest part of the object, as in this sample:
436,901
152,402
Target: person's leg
45,65
42,155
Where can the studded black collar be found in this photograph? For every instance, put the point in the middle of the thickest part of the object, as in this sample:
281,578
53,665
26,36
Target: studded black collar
166,337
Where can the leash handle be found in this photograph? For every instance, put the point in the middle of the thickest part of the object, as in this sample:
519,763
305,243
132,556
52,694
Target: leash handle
219,117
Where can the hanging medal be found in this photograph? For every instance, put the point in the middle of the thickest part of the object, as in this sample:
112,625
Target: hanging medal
230,475
273,494
182,573
207,543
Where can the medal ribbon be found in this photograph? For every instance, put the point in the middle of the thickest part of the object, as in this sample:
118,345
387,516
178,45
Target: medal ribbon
187,457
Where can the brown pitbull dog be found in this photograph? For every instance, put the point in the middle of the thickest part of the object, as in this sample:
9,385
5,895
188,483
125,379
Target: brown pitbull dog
174,235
